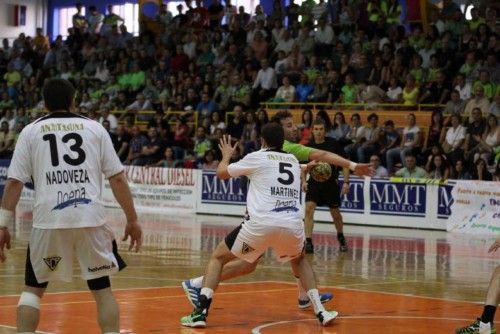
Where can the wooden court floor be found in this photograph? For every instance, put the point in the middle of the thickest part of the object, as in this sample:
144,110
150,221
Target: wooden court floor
390,281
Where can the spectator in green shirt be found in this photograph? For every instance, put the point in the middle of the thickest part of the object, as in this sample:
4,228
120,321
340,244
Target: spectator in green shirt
411,170
349,90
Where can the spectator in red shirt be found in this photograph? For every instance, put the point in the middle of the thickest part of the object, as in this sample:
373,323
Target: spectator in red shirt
180,62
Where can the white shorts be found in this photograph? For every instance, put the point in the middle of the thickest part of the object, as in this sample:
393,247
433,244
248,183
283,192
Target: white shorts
250,240
51,254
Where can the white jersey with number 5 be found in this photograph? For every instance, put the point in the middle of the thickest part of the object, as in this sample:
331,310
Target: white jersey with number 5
65,156
275,194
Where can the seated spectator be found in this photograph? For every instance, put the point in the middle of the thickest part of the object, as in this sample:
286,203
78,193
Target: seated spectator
349,91
106,125
459,171
464,88
122,143
239,92
137,142
391,139
434,132
209,161
410,142
201,144
152,151
141,103
295,61
411,170
285,42
320,92
181,134
437,92
478,101
488,141
305,127
454,139
373,139
480,171
489,87
356,137
380,171
168,160
411,91
206,106
6,102
475,127
86,102
437,167
304,89
107,116
216,123
455,105
265,84
370,94
6,141
340,128
394,92
8,117
495,106
285,93
236,124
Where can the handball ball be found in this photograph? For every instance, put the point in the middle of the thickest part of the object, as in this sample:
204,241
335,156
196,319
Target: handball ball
321,172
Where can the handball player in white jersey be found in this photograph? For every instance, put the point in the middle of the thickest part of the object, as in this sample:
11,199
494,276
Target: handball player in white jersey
65,156
275,213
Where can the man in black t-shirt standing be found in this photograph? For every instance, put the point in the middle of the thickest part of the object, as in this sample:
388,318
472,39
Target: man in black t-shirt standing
326,193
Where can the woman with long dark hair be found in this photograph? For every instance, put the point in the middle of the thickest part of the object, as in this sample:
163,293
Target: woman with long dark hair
481,172
305,126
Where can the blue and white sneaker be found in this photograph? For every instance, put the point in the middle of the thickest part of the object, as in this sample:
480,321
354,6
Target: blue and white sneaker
324,298
192,293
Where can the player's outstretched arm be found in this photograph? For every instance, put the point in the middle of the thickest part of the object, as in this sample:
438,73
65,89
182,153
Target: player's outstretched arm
11,195
495,246
121,191
227,151
335,159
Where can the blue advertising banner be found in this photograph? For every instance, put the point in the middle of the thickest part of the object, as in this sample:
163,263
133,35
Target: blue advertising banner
4,166
354,201
445,200
215,190
397,199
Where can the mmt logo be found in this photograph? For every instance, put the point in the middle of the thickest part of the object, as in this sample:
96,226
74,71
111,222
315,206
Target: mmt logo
397,199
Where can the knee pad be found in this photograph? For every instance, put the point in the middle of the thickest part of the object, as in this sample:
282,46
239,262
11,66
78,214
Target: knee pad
99,283
29,299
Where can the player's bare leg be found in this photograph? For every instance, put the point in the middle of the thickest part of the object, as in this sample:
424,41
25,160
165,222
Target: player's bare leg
303,270
339,226
108,314
309,226
28,309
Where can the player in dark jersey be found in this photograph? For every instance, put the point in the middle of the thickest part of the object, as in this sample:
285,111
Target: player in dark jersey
326,193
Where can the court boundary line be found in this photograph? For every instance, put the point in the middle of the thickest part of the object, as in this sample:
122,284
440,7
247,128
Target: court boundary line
276,282
14,328
256,330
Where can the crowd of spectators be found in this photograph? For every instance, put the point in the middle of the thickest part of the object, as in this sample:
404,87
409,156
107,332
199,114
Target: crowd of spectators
219,63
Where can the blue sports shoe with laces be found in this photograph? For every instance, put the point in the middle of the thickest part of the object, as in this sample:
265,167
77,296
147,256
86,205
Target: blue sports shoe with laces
324,297
192,293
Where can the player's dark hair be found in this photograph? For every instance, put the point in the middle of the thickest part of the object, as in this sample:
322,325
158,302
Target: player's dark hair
58,94
281,115
273,135
319,121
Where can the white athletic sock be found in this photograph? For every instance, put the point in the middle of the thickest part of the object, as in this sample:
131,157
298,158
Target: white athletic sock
316,302
302,292
197,282
207,292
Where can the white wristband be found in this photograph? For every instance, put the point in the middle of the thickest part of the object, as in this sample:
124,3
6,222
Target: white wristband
352,166
6,218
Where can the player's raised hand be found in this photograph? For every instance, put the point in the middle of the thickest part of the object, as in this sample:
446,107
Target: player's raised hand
364,170
4,242
134,231
226,147
495,246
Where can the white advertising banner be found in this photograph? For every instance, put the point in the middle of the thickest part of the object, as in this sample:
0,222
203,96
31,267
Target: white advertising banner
476,208
157,189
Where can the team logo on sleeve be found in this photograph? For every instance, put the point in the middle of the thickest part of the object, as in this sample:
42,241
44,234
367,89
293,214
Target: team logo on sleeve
52,262
245,249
